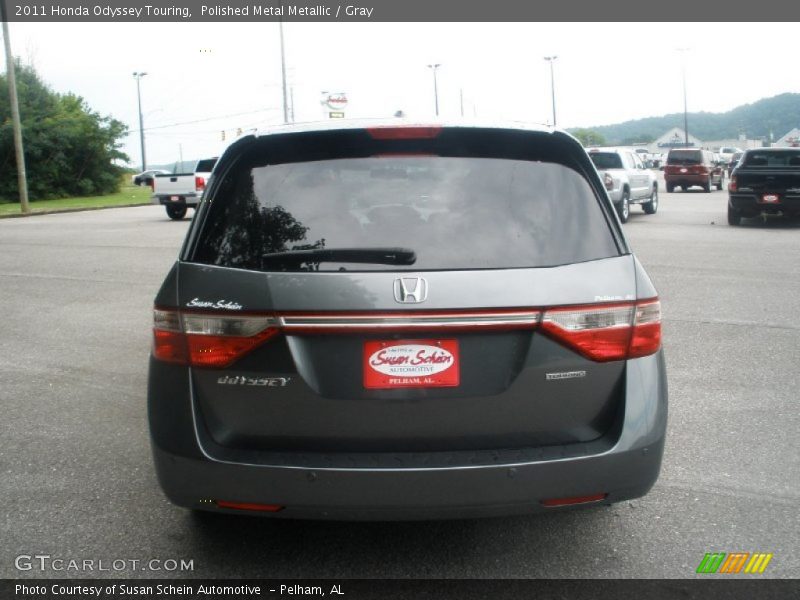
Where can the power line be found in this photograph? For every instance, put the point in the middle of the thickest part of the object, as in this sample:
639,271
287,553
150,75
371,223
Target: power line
252,112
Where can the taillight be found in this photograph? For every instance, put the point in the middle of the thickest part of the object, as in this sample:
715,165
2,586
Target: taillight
608,181
201,340
152,184
732,184
607,332
199,183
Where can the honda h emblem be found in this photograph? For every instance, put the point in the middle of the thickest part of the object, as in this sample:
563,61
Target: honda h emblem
411,290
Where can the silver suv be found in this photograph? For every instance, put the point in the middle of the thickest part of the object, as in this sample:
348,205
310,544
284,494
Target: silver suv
627,180
383,321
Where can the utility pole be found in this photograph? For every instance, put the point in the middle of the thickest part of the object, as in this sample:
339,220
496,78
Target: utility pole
283,74
434,68
551,60
461,94
138,76
685,106
22,178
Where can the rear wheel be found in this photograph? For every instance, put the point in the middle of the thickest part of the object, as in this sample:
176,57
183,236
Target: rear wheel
624,208
670,187
707,185
651,207
721,181
734,216
176,213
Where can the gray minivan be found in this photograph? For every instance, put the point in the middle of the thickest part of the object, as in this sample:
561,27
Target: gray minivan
395,321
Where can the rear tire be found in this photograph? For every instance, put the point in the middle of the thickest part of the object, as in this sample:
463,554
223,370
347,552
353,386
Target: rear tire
624,208
721,182
707,185
734,216
176,213
651,207
670,187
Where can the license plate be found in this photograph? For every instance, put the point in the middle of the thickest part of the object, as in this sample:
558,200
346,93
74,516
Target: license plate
411,364
684,170
175,198
770,198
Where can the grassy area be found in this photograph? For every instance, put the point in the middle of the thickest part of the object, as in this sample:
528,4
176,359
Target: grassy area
128,194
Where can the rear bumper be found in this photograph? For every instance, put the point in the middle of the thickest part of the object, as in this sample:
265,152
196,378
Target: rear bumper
750,204
182,199
625,467
685,180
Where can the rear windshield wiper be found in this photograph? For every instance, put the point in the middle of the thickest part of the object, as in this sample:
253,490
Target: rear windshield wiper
380,256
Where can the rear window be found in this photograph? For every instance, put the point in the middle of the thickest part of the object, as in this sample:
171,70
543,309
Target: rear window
772,159
685,157
205,166
606,160
451,212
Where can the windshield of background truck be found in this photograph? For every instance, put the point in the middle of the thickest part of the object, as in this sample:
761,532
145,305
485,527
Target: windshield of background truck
606,160
454,213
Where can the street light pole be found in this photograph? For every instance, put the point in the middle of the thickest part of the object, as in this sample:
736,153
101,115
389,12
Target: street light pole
22,177
283,74
685,105
551,60
434,68
138,76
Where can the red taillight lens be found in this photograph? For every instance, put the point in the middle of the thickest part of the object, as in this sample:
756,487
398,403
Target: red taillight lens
199,183
415,132
208,340
732,185
608,181
604,333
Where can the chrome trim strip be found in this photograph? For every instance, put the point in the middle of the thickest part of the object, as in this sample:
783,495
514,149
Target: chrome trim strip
523,318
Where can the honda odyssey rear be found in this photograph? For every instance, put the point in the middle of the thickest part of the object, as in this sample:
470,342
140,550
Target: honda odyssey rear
389,321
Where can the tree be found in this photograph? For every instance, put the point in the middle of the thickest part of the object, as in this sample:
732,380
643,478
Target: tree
589,137
70,150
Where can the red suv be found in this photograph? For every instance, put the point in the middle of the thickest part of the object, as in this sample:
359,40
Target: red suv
690,166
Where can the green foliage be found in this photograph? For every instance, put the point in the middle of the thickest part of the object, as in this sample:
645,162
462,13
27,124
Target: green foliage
70,150
589,137
778,115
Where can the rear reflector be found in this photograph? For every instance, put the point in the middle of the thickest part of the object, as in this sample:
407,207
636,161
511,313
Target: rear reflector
607,332
250,506
413,132
574,500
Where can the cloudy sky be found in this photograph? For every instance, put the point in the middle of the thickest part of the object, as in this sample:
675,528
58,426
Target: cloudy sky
206,78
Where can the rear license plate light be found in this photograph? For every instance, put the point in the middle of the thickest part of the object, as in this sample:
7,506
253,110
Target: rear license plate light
411,364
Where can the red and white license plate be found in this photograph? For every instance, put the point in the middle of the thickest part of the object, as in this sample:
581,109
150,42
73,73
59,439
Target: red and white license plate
175,198
770,198
411,364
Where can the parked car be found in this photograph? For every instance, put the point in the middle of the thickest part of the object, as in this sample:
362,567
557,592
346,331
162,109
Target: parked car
179,191
726,153
383,321
765,181
627,180
687,167
146,177
734,161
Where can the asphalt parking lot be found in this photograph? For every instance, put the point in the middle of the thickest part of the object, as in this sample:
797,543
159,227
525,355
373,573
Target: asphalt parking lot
77,480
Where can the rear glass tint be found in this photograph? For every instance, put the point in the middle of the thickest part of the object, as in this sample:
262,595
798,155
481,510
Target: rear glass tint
606,160
452,212
206,166
772,159
685,157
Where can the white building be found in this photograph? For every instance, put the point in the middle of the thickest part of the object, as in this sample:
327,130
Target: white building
674,138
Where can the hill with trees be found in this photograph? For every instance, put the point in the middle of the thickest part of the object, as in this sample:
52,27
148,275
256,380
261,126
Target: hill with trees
70,150
775,116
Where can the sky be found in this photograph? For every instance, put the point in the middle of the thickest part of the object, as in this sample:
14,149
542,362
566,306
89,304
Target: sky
205,78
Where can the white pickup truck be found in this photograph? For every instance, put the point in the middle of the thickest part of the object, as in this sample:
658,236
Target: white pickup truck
627,180
178,191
